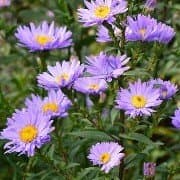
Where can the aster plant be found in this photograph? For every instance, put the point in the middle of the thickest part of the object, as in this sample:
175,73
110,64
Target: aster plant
55,104
138,99
61,75
26,132
45,36
107,66
97,94
90,85
106,154
144,28
98,11
166,88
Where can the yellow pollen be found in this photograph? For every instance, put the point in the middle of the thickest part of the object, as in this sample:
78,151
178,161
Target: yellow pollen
94,87
62,77
142,32
138,101
43,39
50,107
28,133
105,158
102,11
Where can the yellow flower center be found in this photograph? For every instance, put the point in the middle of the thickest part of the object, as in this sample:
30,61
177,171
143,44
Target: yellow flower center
105,158
62,77
102,11
50,107
43,39
138,101
94,87
28,133
142,32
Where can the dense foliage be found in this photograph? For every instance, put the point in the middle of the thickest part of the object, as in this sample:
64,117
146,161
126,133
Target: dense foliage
90,118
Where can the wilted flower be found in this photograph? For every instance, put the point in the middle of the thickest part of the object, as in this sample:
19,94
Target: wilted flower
149,169
139,99
43,37
90,85
166,88
4,3
26,132
61,75
99,11
55,104
176,119
107,66
103,34
106,154
150,4
144,28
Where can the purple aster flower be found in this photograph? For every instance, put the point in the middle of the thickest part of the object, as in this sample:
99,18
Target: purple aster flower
43,37
55,104
144,28
103,34
99,11
150,4
139,99
4,3
106,154
166,88
176,119
149,169
107,66
61,75
26,132
90,85
166,33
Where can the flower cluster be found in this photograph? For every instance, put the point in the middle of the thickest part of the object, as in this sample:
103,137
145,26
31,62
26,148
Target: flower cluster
30,127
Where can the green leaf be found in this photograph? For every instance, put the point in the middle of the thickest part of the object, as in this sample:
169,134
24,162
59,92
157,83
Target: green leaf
137,137
92,134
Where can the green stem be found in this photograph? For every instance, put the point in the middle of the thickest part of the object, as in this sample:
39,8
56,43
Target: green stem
122,130
28,167
112,34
